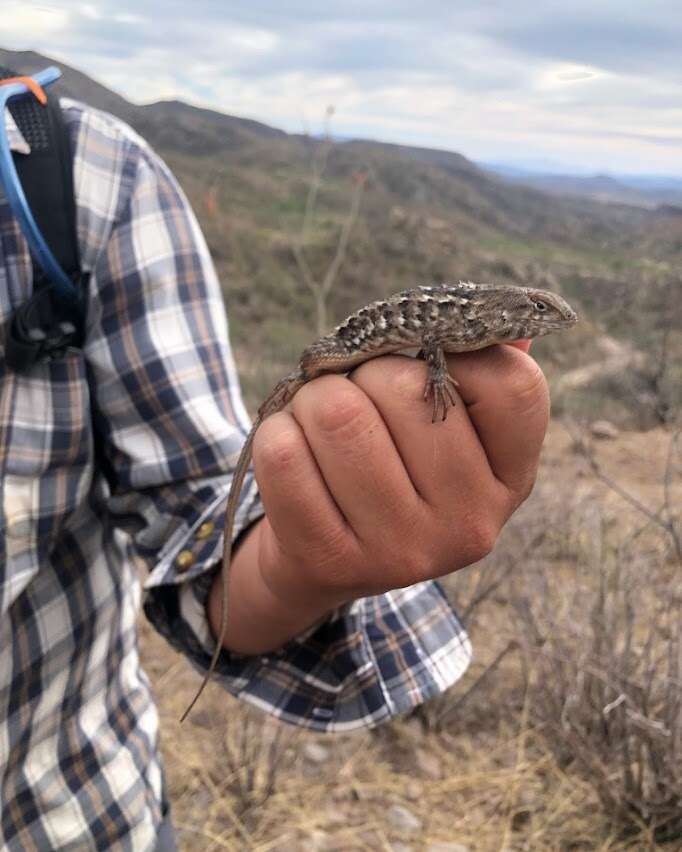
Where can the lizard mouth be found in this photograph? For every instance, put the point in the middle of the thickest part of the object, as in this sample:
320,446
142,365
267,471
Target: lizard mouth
569,319
556,325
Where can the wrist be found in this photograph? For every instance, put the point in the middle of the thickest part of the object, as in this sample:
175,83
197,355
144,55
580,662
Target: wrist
260,619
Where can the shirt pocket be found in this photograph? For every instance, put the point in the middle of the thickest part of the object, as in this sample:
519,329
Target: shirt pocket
47,445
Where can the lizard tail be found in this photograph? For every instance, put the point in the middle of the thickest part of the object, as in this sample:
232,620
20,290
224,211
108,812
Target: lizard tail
283,392
232,504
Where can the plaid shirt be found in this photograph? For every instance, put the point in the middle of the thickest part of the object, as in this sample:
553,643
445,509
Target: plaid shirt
120,455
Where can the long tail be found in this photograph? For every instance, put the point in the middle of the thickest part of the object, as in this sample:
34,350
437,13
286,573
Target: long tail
280,396
232,504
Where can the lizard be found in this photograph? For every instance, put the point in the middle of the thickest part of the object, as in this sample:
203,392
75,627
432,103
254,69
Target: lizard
440,319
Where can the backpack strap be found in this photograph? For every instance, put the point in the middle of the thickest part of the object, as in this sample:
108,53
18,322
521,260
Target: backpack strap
44,326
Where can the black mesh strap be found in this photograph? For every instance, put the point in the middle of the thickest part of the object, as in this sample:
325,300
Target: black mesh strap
44,326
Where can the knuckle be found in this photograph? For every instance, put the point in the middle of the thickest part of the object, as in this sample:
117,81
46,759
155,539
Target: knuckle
341,414
421,565
407,566
404,545
393,382
510,494
524,382
414,561
524,488
481,538
334,569
277,449
406,378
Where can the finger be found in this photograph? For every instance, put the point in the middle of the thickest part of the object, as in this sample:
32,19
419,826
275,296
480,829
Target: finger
299,507
508,402
445,460
356,456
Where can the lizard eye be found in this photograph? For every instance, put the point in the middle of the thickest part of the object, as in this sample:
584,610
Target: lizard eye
540,306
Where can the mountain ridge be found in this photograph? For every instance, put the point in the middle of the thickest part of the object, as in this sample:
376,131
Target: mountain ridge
644,191
187,129
175,125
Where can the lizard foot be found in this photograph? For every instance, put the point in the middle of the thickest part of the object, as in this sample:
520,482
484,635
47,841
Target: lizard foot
441,386
439,383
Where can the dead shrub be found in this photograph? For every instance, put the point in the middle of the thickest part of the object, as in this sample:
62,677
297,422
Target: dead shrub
605,683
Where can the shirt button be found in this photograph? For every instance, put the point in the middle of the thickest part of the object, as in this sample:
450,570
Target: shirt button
185,560
205,529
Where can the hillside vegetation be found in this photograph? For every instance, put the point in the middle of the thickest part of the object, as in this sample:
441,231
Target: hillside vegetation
425,216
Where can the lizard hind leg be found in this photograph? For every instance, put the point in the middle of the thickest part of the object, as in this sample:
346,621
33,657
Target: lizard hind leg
439,383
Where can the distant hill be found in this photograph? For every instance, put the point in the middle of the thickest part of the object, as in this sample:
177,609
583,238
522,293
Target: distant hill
72,83
649,192
408,173
172,124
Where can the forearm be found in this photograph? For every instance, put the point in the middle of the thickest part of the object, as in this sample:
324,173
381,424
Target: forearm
258,620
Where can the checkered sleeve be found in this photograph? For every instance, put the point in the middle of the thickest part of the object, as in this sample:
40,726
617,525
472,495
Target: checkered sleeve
170,424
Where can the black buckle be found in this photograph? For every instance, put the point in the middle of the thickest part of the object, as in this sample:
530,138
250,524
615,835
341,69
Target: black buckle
42,329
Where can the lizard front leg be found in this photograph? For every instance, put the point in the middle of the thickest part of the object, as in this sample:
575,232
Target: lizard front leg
439,382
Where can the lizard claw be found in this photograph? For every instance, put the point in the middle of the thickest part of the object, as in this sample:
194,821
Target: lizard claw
442,386
439,382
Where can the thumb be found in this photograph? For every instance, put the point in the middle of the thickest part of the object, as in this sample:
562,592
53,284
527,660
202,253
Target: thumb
523,345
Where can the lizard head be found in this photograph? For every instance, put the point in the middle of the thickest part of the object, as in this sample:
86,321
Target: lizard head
528,312
547,311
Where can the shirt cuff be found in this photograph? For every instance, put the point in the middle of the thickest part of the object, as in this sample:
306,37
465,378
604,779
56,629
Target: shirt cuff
187,565
197,549
368,662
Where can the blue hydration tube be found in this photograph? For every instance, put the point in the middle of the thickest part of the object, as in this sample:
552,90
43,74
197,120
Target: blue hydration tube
15,194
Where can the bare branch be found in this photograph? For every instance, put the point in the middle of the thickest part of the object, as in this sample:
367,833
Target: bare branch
674,530
320,288
346,229
450,709
304,268
319,168
664,517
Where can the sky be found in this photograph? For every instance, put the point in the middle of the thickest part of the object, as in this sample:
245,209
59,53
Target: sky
558,86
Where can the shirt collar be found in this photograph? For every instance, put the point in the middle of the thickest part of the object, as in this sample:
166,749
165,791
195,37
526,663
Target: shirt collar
16,140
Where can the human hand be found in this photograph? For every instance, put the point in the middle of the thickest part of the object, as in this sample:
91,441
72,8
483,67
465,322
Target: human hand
363,493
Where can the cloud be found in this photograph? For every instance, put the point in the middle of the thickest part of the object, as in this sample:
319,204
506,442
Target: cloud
20,18
596,83
642,39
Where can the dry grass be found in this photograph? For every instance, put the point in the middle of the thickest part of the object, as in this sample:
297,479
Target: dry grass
483,766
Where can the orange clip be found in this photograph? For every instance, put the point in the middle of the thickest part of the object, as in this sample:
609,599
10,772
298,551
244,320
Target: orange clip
31,84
